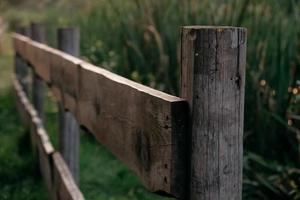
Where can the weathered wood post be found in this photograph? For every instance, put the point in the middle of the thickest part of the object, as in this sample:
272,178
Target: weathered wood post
21,64
68,41
25,30
213,61
38,34
18,65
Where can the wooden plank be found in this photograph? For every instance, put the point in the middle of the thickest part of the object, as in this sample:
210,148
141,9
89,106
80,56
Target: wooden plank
34,122
213,80
26,50
21,102
45,150
36,54
143,127
21,109
16,92
64,79
55,68
137,123
64,185
38,135
41,60
23,45
28,113
19,44
29,51
23,76
17,41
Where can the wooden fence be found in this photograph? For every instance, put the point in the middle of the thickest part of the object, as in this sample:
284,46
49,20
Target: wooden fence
188,147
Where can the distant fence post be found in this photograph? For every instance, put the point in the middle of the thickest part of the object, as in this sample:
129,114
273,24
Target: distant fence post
68,41
38,34
25,30
21,64
213,61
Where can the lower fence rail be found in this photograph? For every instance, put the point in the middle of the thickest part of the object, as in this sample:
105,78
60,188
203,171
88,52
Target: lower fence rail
57,177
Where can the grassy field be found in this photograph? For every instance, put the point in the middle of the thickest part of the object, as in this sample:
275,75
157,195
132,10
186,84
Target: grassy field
102,176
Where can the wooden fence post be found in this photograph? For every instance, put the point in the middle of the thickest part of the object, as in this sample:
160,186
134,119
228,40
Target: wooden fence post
213,61
68,41
18,66
17,59
22,67
25,30
38,34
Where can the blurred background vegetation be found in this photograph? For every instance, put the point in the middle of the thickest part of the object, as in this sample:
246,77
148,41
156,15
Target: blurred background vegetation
139,39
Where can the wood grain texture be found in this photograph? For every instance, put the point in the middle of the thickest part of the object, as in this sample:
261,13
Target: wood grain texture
145,128
39,59
27,112
45,151
65,72
23,101
136,123
64,79
19,42
19,103
36,54
213,80
64,185
34,123
22,67
55,80
57,178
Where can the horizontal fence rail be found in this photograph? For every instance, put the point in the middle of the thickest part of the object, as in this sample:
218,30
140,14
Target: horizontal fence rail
188,147
148,125
56,175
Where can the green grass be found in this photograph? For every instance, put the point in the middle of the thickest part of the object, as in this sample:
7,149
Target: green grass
19,175
105,177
